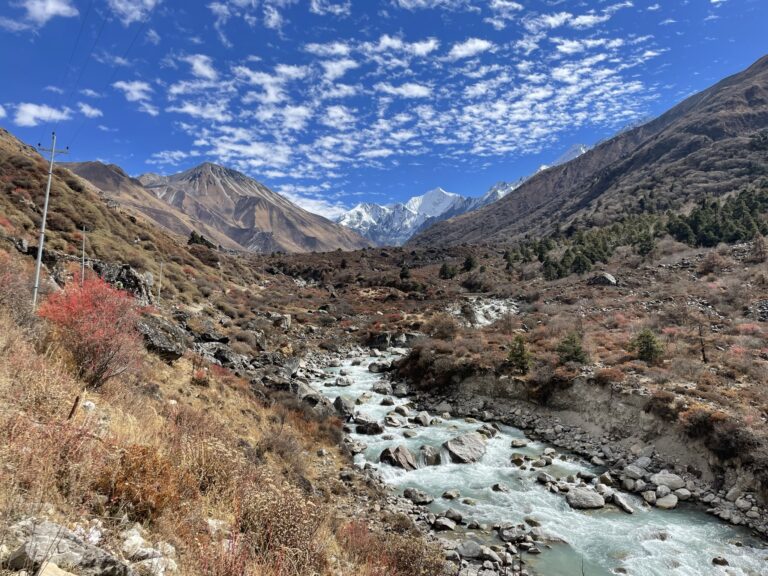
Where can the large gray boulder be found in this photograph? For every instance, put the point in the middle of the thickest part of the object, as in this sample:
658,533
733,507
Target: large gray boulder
418,497
162,337
344,407
584,499
44,541
399,457
467,448
431,455
602,279
671,481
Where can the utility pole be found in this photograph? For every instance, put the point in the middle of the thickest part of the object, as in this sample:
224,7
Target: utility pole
82,260
41,241
160,283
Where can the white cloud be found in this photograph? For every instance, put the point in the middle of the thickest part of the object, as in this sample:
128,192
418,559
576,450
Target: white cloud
335,69
214,111
90,93
272,17
2,112
342,8
28,114
135,91
202,66
469,48
312,199
89,111
407,90
37,13
130,11
171,157
153,37
330,49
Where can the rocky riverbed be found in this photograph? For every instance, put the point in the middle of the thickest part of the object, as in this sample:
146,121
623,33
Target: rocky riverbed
500,502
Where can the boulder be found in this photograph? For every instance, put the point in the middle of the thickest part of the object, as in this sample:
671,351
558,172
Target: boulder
470,549
443,524
126,278
370,428
423,419
344,407
431,455
667,502
621,502
467,448
671,481
418,497
343,382
451,495
399,457
602,279
44,541
384,388
162,337
378,367
584,499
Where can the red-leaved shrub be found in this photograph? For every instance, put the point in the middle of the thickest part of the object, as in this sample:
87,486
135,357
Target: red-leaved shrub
98,327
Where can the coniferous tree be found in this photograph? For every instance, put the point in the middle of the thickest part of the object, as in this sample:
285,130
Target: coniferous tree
519,356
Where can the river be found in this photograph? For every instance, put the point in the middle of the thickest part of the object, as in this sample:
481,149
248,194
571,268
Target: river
650,542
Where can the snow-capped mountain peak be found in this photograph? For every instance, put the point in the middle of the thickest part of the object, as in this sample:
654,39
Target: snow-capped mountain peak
433,203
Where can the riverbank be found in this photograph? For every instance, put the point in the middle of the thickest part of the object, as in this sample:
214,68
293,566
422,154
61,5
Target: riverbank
507,517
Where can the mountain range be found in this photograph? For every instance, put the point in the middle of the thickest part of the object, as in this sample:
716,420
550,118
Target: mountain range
712,143
224,205
395,224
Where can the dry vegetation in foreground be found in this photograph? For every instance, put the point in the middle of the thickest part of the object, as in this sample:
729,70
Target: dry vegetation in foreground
149,446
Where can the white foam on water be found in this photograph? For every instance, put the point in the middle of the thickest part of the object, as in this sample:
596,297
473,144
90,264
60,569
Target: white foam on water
650,542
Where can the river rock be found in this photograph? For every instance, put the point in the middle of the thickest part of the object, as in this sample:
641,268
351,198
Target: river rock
454,515
650,497
500,487
584,499
719,561
467,448
344,406
621,502
370,428
378,367
443,524
423,419
418,497
431,455
399,457
518,443
451,495
634,472
403,411
343,382
470,549
667,502
384,388
671,481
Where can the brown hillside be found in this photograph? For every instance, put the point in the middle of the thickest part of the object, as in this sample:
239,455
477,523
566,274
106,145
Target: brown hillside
708,144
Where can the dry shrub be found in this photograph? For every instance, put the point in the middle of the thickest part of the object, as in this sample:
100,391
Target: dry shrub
608,376
713,262
662,404
16,290
233,557
211,464
442,326
98,326
283,524
144,483
389,554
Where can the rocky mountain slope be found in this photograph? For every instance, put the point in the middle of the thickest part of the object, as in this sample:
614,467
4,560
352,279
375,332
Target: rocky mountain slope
712,143
121,188
230,208
395,224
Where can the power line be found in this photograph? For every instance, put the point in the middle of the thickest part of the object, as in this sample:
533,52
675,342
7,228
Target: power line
72,56
113,75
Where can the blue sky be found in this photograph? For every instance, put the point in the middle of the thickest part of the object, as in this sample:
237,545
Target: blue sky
333,102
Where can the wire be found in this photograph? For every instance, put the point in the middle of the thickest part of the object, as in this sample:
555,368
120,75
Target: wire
72,56
112,76
85,64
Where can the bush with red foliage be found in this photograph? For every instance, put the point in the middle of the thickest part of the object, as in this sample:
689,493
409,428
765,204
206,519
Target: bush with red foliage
98,327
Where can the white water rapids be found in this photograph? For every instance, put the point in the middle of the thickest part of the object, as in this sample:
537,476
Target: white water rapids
650,542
